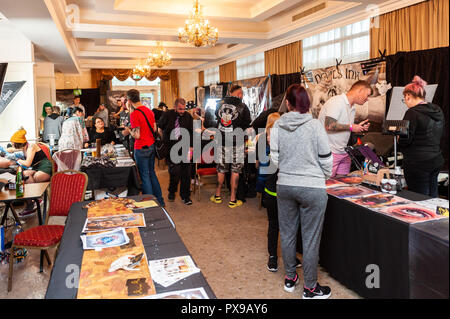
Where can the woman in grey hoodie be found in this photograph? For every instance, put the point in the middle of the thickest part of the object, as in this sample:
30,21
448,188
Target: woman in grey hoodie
299,147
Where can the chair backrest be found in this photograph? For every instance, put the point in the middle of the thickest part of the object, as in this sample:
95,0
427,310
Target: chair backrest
66,188
207,156
46,149
67,159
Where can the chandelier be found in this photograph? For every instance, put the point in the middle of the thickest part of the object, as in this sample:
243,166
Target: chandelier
140,71
159,57
197,30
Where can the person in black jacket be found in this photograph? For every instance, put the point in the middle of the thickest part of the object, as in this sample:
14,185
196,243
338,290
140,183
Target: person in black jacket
422,157
231,114
169,124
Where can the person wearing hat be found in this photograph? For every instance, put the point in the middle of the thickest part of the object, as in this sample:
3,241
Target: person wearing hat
40,167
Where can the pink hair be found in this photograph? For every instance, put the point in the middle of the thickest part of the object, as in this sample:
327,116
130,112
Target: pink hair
416,88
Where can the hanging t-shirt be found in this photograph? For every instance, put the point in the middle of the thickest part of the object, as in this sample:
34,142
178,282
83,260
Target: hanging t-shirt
340,109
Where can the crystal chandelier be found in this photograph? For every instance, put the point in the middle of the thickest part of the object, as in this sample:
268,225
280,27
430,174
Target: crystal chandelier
140,71
159,57
197,30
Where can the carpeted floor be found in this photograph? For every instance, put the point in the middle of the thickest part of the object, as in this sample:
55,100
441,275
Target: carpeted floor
228,245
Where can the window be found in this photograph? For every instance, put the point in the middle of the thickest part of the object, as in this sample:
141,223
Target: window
132,83
211,76
350,43
250,67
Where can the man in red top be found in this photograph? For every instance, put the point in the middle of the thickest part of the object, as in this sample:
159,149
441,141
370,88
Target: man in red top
144,146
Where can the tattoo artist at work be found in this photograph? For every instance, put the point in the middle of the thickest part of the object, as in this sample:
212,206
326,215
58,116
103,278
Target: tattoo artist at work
338,116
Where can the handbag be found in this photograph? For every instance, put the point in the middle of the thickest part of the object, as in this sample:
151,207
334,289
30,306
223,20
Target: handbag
161,149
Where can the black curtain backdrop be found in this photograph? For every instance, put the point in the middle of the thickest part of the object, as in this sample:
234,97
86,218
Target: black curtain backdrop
432,66
280,83
90,98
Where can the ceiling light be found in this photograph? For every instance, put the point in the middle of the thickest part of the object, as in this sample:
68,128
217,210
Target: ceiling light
197,30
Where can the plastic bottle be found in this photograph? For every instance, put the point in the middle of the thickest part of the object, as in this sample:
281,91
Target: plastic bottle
16,230
393,183
19,182
384,183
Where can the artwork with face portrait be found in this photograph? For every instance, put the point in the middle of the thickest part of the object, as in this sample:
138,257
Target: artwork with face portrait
323,84
410,213
112,100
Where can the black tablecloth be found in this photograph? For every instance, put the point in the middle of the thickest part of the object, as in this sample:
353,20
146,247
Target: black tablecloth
114,177
355,238
428,254
160,240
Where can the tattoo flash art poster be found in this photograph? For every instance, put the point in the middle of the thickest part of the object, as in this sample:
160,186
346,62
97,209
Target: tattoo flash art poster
328,82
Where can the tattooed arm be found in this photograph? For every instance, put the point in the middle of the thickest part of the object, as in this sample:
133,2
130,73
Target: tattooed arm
136,133
332,125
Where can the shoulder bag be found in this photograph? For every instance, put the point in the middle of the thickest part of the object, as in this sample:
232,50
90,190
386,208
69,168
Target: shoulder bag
161,148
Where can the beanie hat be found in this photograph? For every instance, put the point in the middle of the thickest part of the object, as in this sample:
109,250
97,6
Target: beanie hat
19,136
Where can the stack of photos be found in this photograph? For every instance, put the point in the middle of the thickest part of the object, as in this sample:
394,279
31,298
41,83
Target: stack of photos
168,271
378,200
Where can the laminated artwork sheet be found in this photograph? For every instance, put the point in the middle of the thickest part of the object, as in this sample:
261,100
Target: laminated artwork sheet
410,213
378,200
170,270
351,191
95,224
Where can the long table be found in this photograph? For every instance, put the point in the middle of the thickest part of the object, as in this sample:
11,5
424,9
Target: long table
160,241
374,254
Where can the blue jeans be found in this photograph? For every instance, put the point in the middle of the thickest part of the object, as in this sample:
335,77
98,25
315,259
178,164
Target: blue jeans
145,160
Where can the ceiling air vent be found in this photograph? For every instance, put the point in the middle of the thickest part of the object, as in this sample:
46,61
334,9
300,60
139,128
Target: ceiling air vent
310,11
229,46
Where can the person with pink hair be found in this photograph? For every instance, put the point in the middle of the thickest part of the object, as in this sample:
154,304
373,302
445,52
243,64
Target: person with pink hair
422,157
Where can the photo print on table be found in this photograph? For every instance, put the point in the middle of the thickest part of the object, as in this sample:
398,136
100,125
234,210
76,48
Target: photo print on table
95,224
333,183
410,213
350,191
378,200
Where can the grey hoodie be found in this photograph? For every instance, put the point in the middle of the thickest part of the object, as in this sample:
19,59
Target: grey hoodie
299,147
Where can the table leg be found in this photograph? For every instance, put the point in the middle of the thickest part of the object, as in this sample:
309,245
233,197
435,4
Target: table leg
15,215
38,211
45,205
41,265
5,214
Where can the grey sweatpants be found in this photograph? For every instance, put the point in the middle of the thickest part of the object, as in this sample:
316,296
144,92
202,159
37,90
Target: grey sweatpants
304,205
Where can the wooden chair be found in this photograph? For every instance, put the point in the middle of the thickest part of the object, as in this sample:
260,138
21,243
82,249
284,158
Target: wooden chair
66,188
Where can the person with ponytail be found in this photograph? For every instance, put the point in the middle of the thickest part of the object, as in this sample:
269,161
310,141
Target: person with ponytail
299,148
422,157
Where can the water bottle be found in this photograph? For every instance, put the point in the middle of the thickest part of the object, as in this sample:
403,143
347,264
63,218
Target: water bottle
16,230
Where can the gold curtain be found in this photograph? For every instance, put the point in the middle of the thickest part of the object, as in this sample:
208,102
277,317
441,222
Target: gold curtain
201,78
123,74
419,27
284,60
227,72
170,89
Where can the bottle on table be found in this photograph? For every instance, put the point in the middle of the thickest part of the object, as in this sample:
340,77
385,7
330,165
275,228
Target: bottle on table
384,184
20,185
393,184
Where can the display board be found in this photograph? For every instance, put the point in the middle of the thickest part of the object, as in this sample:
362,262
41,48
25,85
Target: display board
328,82
8,92
111,100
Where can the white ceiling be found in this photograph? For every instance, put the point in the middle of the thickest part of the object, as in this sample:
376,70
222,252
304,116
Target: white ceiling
119,33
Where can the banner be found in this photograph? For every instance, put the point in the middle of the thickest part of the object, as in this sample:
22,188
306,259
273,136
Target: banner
9,91
328,82
112,97
256,94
